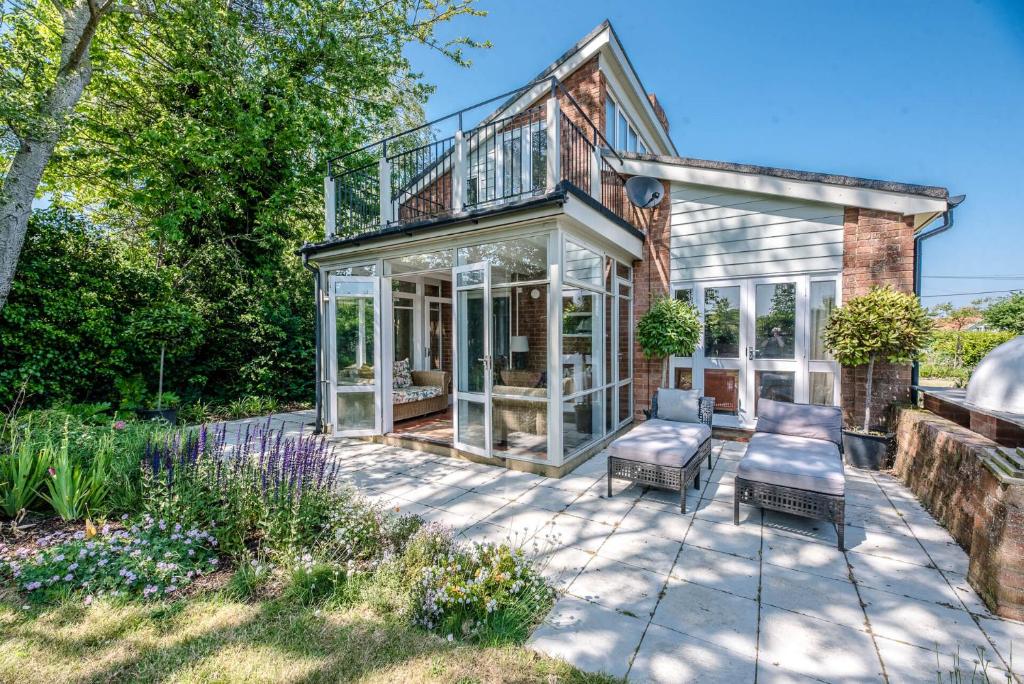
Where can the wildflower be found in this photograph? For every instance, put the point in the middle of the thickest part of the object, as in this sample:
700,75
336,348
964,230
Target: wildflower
120,425
88,600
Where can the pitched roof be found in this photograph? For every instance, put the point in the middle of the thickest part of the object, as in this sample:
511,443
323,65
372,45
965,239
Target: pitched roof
932,191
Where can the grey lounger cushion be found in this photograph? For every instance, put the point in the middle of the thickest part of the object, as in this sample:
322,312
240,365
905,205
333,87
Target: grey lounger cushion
679,405
661,442
800,420
787,461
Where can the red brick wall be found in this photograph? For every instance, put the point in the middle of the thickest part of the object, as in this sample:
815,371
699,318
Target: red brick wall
587,87
942,463
650,281
878,249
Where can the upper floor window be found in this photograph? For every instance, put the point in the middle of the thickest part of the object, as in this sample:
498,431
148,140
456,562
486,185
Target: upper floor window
619,130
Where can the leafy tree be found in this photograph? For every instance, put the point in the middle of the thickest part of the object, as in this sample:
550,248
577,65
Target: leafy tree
956,319
200,145
45,66
1007,313
882,324
671,327
207,137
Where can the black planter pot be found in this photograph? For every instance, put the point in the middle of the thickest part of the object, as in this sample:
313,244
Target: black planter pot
870,452
167,414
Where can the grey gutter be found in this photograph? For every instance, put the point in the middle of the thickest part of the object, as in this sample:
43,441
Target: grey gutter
947,223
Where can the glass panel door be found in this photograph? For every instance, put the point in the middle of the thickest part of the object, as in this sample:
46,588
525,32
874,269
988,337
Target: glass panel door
473,360
724,338
773,356
354,320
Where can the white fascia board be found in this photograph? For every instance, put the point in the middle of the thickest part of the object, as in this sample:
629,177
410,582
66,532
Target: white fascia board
599,228
622,63
652,136
456,234
564,69
866,198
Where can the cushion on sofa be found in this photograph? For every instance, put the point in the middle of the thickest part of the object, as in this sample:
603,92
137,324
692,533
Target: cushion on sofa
788,461
800,420
415,393
402,374
661,442
679,405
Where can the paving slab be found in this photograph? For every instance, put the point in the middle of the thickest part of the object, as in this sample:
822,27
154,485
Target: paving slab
625,588
906,579
797,554
561,565
834,600
669,657
740,540
807,646
600,507
593,638
645,551
670,524
581,533
727,620
922,623
733,574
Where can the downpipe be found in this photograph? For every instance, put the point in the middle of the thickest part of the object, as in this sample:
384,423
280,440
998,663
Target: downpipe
319,402
947,223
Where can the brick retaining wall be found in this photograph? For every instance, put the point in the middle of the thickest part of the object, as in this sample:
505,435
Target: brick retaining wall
942,463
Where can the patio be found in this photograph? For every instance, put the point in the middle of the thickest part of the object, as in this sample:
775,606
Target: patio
653,595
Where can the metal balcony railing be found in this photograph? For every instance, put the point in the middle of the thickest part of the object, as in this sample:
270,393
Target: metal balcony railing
422,173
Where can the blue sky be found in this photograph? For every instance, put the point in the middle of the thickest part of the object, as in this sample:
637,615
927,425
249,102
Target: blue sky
921,92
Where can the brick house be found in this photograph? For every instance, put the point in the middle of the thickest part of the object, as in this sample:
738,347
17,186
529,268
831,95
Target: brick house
495,254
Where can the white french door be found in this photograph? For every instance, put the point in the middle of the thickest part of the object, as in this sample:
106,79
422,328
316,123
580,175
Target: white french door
355,364
471,320
761,339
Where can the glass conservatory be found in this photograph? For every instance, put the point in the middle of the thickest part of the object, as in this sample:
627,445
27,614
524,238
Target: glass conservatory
516,346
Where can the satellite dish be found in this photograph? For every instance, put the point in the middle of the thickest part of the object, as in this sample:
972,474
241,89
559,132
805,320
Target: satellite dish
644,192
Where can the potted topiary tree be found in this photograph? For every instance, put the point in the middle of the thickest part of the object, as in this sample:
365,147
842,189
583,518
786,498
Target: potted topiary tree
886,325
671,327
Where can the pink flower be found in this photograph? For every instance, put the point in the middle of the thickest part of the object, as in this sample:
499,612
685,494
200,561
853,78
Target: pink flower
120,425
53,473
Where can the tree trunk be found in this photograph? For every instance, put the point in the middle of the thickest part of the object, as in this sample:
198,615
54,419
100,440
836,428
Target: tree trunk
19,187
868,393
664,372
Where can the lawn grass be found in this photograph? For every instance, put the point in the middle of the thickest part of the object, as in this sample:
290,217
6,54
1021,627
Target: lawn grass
218,638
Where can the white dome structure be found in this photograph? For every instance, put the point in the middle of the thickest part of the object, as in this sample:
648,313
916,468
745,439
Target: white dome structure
998,382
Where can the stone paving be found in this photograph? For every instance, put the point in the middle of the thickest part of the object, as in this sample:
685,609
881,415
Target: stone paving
649,594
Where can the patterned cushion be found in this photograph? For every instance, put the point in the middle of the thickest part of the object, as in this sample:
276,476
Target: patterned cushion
415,393
403,375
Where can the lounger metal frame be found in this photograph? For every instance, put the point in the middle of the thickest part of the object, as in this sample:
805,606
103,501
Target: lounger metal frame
667,477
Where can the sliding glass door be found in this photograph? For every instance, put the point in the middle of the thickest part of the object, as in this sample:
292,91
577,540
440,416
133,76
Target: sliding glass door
355,364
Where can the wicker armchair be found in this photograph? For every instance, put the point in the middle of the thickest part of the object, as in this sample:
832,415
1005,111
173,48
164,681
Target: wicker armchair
660,454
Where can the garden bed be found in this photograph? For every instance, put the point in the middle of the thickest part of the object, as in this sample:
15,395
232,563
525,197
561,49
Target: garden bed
253,539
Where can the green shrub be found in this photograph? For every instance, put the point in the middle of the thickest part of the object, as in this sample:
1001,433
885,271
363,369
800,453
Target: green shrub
485,593
963,348
151,559
883,324
671,327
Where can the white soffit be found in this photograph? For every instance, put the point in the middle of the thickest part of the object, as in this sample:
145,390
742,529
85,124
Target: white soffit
881,200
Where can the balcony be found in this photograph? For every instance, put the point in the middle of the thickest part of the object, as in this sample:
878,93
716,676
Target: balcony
423,174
